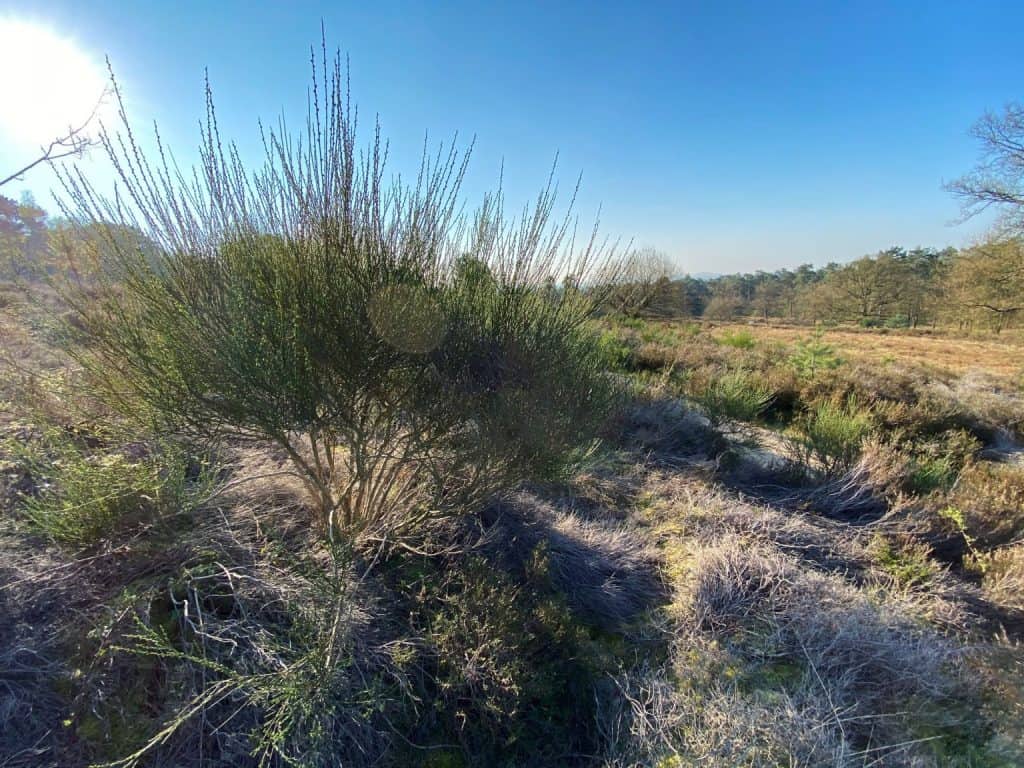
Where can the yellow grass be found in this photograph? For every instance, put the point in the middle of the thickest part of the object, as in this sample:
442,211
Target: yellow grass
1001,356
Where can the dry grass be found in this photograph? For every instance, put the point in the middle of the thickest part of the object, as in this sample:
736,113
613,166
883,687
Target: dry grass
775,663
1002,572
990,499
668,607
1001,356
607,571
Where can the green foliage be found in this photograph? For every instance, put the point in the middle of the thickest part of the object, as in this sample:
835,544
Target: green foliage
635,323
689,330
907,562
812,356
84,495
661,334
956,517
936,464
738,339
736,395
409,365
615,352
930,474
285,674
832,432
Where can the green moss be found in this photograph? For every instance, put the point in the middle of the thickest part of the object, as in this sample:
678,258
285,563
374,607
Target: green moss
956,735
773,677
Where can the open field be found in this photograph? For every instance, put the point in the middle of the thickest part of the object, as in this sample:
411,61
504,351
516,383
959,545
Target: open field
948,352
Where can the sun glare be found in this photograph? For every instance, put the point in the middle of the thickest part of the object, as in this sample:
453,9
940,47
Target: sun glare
50,83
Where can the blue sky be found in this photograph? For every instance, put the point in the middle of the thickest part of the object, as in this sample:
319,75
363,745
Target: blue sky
733,136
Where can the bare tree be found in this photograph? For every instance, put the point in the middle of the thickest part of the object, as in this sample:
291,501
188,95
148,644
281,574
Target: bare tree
643,285
998,178
73,143
987,283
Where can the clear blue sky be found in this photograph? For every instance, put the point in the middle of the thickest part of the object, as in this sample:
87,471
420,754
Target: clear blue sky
732,135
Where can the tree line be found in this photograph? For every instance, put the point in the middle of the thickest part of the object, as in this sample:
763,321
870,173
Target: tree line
978,287
981,286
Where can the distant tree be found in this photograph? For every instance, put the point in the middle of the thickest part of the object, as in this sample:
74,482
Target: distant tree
724,305
921,274
868,287
818,302
768,297
998,178
645,285
23,235
681,297
986,282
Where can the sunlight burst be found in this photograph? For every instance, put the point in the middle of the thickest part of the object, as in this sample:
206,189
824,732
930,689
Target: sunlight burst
52,84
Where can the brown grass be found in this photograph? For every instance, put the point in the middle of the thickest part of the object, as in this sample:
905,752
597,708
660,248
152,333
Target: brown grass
1001,356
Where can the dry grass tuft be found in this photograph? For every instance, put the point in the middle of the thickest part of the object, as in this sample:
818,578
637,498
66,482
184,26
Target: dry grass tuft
607,571
867,671
662,425
1002,572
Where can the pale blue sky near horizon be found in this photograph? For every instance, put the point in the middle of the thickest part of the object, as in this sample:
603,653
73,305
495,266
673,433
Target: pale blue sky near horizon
734,136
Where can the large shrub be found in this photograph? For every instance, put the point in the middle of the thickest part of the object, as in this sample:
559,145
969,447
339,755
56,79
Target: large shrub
407,359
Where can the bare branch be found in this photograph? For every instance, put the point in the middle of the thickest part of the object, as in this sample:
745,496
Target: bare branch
74,143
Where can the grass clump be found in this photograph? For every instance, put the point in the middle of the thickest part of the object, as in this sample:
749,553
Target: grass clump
616,353
906,561
288,658
778,663
833,432
935,465
79,496
738,339
734,396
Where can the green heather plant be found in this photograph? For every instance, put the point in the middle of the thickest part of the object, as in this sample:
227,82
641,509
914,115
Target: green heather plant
409,360
84,495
